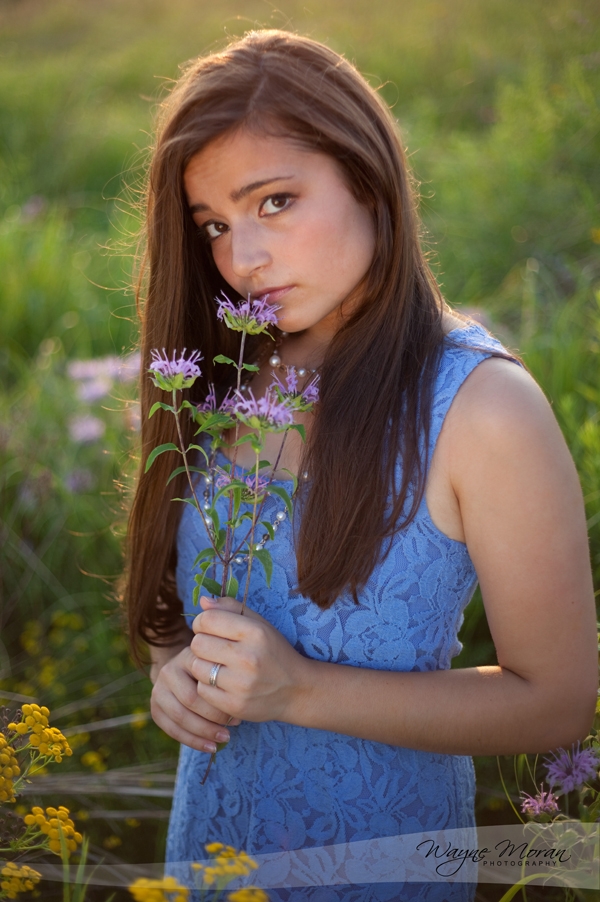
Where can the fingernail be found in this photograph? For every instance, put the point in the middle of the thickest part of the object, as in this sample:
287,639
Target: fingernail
210,747
222,736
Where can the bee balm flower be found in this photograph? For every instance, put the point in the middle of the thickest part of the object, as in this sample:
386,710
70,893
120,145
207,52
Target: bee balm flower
173,375
251,317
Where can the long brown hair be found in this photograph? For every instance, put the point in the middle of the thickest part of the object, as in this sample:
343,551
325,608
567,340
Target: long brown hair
376,380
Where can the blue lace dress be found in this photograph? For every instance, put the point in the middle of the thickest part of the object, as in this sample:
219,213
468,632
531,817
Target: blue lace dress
278,787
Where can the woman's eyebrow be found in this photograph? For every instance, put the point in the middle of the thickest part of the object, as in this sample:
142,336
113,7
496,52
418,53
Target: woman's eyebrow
243,192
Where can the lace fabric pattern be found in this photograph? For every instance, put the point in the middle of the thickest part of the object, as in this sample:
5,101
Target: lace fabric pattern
278,786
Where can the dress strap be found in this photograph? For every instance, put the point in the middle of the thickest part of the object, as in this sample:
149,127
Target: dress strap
464,349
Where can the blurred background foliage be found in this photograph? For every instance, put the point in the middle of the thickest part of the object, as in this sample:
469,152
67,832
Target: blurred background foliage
497,101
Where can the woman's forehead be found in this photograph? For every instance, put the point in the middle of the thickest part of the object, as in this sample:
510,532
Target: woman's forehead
240,162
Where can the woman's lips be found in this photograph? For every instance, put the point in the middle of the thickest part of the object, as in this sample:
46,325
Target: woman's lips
273,294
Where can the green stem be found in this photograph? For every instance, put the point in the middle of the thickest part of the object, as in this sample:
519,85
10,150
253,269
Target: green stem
229,534
506,791
273,471
251,553
189,475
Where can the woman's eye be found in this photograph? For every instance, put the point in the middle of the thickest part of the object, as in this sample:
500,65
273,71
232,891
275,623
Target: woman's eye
275,203
214,229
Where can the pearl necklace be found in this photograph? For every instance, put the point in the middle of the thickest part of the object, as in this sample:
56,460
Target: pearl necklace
276,364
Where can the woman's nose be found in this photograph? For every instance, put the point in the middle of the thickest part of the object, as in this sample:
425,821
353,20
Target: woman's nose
248,249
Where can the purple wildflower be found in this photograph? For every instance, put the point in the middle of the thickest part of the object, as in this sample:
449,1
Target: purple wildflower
251,316
124,369
258,485
128,367
79,480
297,400
571,773
542,803
267,413
209,405
86,429
94,389
173,375
311,392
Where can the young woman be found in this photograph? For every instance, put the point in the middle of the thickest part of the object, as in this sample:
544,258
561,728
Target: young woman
432,461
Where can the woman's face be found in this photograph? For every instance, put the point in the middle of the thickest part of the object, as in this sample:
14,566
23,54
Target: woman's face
281,220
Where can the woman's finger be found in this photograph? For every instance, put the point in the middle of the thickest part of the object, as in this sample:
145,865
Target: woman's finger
223,604
177,680
184,725
211,648
211,674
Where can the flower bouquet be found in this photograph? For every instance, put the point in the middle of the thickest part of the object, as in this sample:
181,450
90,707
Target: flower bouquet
246,491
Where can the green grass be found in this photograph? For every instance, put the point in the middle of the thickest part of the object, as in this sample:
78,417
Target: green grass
497,101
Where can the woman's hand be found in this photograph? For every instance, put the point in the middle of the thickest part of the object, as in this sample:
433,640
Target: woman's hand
179,710
261,676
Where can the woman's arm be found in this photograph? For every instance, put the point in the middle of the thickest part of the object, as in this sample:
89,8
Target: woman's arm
523,517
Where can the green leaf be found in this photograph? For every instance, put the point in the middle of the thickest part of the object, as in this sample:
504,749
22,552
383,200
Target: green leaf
294,478
205,582
215,518
281,492
205,553
199,448
257,443
161,405
237,521
251,366
186,501
221,358
264,557
232,587
221,539
186,405
245,438
221,745
262,464
183,470
269,528
299,428
237,499
168,446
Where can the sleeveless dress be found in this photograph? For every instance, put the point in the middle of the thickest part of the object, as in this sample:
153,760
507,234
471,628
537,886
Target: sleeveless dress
279,787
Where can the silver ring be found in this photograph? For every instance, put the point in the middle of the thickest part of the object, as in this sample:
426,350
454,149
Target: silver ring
213,675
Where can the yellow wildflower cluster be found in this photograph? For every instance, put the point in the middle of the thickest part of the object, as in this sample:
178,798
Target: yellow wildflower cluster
9,769
144,890
248,894
51,823
227,864
49,741
17,879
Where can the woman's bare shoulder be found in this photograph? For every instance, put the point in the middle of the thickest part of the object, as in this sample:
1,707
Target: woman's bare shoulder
500,395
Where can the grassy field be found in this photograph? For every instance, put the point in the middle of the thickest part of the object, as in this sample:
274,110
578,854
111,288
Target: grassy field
498,104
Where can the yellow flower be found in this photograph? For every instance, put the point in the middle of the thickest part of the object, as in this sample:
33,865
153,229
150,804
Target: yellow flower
18,879
227,864
9,769
52,823
112,842
165,890
248,894
49,741
94,760
214,847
